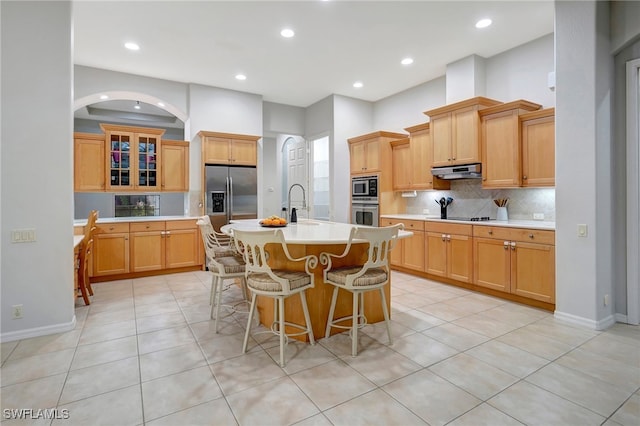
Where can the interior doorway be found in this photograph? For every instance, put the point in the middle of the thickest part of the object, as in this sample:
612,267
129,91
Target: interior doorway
633,191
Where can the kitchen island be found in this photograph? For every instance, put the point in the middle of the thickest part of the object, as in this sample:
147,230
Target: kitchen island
314,237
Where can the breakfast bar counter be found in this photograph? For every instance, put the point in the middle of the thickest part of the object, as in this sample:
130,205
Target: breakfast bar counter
314,237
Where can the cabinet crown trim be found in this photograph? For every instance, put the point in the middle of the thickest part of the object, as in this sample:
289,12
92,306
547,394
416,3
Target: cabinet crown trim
91,136
479,101
520,104
132,129
418,127
377,135
399,142
204,133
542,113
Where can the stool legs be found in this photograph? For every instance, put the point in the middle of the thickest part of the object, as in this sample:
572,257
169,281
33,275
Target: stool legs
386,313
332,310
248,330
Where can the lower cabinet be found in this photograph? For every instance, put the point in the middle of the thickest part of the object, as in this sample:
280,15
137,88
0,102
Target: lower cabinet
408,252
449,251
515,260
146,246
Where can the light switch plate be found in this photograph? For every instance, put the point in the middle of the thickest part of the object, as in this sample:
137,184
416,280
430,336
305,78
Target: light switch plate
582,230
538,216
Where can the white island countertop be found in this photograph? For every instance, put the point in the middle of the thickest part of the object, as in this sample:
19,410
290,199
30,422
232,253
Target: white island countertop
305,231
529,224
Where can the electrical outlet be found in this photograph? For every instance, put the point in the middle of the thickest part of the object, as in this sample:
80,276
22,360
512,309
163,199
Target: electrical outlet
425,211
17,311
582,230
538,216
606,300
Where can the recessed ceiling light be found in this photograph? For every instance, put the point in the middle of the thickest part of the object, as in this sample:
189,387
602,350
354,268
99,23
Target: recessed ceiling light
287,32
241,77
103,97
137,105
407,61
358,84
160,104
483,23
132,46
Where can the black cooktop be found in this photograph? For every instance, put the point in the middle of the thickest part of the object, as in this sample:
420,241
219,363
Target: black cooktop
471,219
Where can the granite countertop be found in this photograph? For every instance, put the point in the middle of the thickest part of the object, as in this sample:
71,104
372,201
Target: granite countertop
82,222
305,231
529,224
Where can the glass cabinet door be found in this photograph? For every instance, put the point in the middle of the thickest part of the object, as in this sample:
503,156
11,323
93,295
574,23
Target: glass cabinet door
120,164
147,161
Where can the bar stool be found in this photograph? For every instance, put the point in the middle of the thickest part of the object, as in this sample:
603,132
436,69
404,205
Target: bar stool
84,282
224,262
359,279
275,283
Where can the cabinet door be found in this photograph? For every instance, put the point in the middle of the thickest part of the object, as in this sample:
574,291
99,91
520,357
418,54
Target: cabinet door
436,259
175,167
413,256
147,251
441,139
492,266
182,248
501,154
465,145
88,162
111,254
357,157
243,153
216,150
533,271
119,161
538,152
147,167
401,159
372,155
459,257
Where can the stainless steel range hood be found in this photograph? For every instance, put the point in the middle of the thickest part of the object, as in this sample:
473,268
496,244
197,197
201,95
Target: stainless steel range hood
468,171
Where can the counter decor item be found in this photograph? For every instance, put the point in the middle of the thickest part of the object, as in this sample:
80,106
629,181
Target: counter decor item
502,209
444,203
273,222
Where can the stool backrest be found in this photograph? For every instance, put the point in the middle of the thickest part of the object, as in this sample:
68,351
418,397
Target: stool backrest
381,242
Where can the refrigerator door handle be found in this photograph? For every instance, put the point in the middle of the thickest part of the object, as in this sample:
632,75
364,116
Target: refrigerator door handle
230,197
227,202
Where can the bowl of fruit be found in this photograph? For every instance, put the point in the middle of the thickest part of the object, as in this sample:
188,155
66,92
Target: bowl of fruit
273,222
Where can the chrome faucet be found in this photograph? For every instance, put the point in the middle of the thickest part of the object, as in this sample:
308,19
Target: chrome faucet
304,198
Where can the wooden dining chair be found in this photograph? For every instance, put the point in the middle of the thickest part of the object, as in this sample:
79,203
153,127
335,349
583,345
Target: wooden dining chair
84,281
359,279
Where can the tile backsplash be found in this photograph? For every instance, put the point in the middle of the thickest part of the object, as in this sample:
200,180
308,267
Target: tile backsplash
471,200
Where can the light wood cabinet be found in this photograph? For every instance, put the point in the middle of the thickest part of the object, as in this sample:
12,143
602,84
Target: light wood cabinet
449,251
502,154
409,252
111,249
183,244
175,166
538,148
515,260
401,159
88,162
227,148
132,158
455,131
421,160
371,153
147,247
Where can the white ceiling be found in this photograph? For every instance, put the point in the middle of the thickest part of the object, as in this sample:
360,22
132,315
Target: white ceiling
336,42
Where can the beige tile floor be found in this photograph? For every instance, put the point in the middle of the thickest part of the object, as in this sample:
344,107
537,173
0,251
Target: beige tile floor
144,352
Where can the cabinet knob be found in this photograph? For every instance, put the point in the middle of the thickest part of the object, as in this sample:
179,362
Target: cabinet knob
524,177
513,245
448,237
454,158
484,179
147,226
111,228
444,237
490,232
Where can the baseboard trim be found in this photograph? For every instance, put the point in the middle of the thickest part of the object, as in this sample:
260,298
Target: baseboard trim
622,318
38,331
585,322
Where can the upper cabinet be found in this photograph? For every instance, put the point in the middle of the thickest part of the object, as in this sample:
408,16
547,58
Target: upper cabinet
538,148
455,131
420,158
226,148
132,160
371,153
501,146
88,162
175,166
401,157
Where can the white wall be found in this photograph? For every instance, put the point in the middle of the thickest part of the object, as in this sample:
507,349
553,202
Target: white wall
583,163
37,167
626,16
282,119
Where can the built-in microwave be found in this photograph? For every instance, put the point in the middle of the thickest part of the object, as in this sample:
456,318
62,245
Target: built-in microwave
364,186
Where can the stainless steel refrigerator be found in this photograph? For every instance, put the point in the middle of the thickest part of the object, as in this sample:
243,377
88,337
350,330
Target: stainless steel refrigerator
231,193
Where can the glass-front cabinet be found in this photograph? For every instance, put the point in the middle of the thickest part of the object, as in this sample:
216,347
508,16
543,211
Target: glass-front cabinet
132,160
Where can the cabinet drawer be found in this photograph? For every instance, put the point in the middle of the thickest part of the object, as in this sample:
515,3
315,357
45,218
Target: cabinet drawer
449,228
497,232
533,236
112,228
385,221
147,226
180,224
412,225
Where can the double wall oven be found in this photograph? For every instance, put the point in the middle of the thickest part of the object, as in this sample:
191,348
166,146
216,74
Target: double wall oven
364,200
